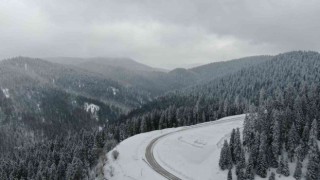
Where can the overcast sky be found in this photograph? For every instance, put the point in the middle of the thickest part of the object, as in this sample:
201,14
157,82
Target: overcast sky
161,33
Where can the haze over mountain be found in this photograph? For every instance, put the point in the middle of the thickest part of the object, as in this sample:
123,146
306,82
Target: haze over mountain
157,81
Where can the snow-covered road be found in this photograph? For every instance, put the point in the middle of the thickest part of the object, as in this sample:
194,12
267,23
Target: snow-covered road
187,153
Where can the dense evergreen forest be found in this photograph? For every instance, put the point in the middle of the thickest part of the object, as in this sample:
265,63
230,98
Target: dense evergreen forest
280,130
52,127
228,95
48,109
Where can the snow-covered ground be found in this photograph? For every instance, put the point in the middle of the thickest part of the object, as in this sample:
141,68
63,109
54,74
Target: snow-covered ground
192,153
131,164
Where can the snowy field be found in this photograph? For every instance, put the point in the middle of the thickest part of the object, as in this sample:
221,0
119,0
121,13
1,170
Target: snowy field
192,153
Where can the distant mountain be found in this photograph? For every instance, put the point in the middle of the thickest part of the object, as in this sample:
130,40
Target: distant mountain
125,63
154,81
218,69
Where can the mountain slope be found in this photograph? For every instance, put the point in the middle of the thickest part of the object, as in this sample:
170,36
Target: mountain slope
40,100
73,80
228,95
53,124
218,69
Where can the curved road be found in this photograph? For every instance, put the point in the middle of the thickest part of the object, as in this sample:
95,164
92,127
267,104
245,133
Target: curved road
154,164
149,150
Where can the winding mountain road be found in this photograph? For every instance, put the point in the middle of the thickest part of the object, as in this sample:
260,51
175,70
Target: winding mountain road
154,164
150,158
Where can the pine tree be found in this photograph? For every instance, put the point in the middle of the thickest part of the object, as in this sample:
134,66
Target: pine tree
299,120
237,146
262,165
238,168
162,121
285,170
272,161
242,159
232,145
240,174
143,125
255,149
249,174
298,171
276,138
293,141
313,164
313,134
304,141
229,174
281,165
299,152
225,161
272,176
247,130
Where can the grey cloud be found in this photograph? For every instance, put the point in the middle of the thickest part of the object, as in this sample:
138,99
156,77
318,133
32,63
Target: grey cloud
158,32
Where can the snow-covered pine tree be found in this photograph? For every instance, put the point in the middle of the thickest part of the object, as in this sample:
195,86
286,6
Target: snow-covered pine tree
242,160
261,169
313,135
293,141
225,161
299,152
238,169
237,146
298,171
262,165
304,140
143,125
162,121
299,120
272,176
281,165
276,144
232,145
229,174
249,174
248,139
255,149
240,175
271,159
285,170
314,163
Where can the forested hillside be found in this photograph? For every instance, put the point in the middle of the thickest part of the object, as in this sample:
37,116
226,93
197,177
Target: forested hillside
42,102
228,95
206,72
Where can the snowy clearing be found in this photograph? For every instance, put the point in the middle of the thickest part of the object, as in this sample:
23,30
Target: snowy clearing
6,92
